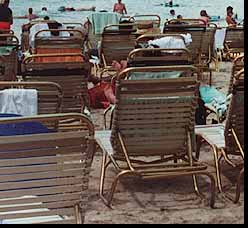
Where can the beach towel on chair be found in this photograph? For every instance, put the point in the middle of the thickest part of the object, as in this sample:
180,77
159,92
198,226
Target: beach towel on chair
19,101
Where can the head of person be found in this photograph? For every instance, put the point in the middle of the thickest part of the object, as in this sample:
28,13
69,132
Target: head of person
179,17
119,1
4,3
30,10
172,12
44,9
46,18
203,13
229,9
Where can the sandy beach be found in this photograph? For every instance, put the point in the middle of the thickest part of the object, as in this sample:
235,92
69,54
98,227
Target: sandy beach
170,201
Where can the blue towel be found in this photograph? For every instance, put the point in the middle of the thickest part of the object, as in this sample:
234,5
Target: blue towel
26,128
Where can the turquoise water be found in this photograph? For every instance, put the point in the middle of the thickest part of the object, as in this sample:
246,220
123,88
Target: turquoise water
188,8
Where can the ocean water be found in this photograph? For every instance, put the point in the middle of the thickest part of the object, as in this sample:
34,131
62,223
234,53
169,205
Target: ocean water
187,8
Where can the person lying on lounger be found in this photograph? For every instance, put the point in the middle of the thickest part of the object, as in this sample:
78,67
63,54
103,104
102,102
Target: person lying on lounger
70,9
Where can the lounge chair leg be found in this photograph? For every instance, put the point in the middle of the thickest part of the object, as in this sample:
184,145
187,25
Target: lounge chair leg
213,186
197,191
217,168
198,146
227,159
105,116
114,185
238,186
102,178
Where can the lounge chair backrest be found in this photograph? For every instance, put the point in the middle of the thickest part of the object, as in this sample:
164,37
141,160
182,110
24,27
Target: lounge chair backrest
238,64
158,57
208,42
235,116
188,21
153,116
44,177
142,20
49,94
234,39
197,33
117,42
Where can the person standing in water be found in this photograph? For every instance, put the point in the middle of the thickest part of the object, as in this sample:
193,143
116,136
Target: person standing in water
30,16
6,18
120,8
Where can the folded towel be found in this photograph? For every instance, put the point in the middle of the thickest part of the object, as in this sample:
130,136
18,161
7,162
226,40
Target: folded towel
19,101
187,38
100,20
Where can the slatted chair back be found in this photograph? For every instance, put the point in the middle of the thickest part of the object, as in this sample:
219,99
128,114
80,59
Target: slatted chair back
9,44
44,177
73,80
158,57
63,41
208,44
197,33
234,130
153,116
117,42
143,20
238,64
234,40
49,94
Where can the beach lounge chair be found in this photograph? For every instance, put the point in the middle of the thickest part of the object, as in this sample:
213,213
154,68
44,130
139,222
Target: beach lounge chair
234,42
227,139
61,44
149,23
45,173
153,124
49,94
197,33
9,44
71,76
208,52
117,42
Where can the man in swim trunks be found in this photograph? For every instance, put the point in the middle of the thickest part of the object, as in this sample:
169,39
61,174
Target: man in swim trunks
120,8
6,18
230,20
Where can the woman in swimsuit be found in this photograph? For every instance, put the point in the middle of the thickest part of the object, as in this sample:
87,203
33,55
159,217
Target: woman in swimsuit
120,8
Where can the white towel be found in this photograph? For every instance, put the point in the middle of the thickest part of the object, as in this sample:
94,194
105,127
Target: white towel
219,38
36,28
172,41
19,101
167,42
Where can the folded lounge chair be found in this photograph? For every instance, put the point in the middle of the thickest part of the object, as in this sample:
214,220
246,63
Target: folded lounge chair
227,139
44,176
153,118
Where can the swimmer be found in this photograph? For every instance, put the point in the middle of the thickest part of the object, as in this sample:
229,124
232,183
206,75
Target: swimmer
70,9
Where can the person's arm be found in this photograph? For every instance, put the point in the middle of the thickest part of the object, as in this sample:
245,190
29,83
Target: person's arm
125,9
11,17
20,17
229,21
114,9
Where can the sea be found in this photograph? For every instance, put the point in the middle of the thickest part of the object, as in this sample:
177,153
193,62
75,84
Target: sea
186,8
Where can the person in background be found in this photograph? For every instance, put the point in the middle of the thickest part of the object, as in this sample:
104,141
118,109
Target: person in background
179,17
230,20
44,12
204,17
6,17
170,3
120,8
30,16
172,14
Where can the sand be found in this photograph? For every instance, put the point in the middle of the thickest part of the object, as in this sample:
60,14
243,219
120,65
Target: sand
168,201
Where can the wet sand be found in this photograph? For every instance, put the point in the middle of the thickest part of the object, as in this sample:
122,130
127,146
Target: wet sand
168,201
